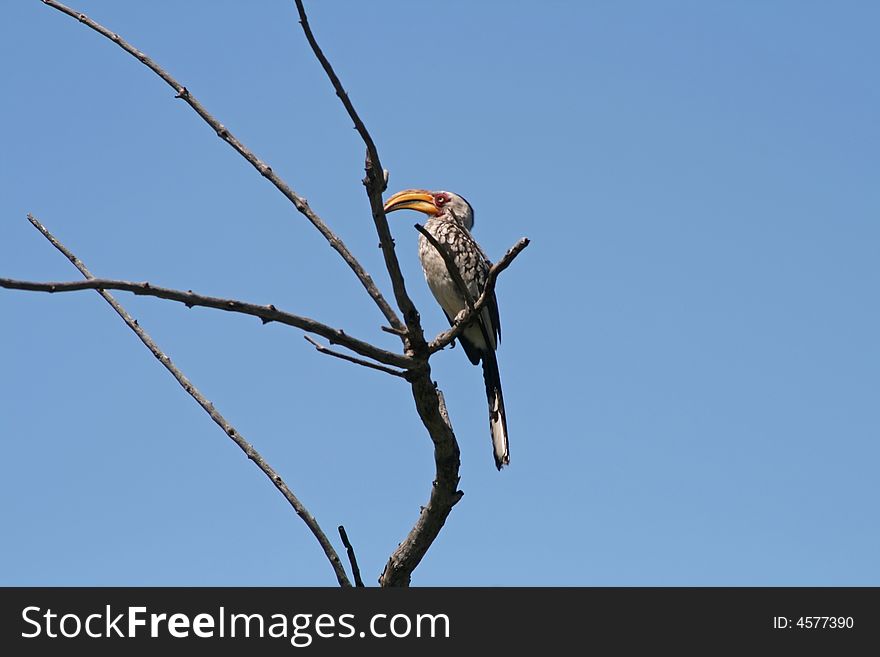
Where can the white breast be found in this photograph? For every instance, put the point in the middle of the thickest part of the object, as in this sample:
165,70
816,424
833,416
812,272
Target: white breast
443,286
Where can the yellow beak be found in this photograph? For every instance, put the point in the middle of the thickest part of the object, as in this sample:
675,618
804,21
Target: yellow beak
412,199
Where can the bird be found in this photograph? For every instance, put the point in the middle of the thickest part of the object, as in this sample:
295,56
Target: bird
451,219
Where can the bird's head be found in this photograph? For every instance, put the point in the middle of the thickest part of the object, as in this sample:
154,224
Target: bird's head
434,204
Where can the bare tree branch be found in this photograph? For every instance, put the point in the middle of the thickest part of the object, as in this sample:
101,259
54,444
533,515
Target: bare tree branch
393,331
337,86
266,313
355,571
428,398
444,489
208,407
265,170
375,181
330,352
461,322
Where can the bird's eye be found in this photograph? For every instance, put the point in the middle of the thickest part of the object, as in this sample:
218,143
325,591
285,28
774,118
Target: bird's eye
441,200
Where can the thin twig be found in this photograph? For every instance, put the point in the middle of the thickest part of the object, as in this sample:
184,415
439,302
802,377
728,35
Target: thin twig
266,313
352,359
337,86
375,182
215,415
265,170
464,319
355,571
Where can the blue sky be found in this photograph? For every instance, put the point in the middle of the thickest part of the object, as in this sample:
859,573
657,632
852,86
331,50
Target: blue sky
690,355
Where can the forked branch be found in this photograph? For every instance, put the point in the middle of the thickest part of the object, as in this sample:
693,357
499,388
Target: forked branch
428,398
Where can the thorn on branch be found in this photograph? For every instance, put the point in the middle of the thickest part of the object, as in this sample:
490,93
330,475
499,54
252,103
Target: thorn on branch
183,93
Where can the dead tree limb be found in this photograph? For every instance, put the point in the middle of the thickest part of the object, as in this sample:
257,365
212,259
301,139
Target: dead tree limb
444,489
265,170
428,398
189,298
357,361
355,570
375,182
209,408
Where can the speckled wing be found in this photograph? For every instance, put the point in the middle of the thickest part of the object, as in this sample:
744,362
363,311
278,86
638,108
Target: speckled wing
480,338
473,265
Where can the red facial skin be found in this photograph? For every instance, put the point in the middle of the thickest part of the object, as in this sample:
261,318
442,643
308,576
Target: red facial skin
441,199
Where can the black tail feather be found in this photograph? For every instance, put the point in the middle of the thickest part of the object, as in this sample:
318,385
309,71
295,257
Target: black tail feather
497,414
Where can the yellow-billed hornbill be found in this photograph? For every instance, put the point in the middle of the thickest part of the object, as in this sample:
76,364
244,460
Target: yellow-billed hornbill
450,223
